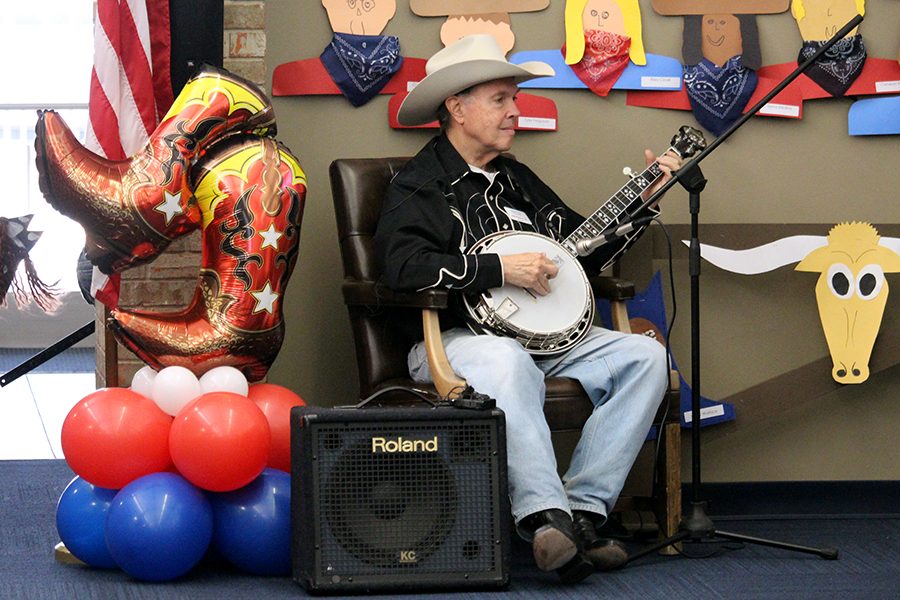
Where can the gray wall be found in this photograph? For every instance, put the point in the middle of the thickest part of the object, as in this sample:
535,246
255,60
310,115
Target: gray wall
771,171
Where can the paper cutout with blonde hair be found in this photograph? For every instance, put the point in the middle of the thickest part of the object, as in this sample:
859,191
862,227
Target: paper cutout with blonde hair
845,70
605,25
627,15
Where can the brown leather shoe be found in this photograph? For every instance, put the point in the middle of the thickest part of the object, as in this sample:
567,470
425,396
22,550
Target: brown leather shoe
605,554
552,538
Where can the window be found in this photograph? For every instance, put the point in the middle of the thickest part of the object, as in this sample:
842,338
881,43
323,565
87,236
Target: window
48,52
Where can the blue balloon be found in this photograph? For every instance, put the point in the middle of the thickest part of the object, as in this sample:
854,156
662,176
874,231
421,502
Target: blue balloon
253,524
81,520
159,527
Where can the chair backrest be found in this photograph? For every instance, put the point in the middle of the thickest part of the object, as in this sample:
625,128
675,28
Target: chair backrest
358,187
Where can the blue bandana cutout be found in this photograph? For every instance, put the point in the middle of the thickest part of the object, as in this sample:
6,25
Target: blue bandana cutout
361,65
837,69
718,95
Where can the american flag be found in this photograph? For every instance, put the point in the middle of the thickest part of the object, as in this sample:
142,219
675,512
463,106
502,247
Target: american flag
131,89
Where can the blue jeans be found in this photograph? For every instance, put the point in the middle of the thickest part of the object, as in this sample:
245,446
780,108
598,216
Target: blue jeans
625,377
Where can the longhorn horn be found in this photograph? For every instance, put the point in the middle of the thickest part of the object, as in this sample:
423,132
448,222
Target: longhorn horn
762,259
891,243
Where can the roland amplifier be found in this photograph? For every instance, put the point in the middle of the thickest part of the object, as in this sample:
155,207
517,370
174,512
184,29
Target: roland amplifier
399,499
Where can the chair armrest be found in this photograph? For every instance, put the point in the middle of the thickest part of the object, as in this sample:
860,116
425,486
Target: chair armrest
446,381
617,291
612,288
371,293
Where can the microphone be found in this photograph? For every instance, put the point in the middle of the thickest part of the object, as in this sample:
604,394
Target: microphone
585,247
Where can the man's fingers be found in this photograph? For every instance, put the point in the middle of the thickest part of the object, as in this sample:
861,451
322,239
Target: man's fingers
531,271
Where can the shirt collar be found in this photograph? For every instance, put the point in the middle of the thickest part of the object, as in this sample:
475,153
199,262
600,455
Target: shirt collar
454,164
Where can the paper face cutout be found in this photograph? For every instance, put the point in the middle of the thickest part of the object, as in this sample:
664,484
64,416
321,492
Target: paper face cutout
642,72
495,24
722,40
721,55
467,17
620,17
720,37
359,17
603,14
819,20
355,57
491,17
851,291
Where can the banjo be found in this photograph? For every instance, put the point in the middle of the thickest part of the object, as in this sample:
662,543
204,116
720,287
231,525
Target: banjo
554,323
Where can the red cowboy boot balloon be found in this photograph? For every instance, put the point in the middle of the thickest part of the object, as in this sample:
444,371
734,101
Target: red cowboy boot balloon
132,209
250,193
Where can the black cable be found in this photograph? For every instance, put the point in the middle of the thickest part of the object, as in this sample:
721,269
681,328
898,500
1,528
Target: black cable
671,324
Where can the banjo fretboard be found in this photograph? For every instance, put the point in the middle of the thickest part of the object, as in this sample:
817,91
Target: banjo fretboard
613,210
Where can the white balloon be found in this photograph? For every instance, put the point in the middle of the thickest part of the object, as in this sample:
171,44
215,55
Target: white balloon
173,388
224,379
142,382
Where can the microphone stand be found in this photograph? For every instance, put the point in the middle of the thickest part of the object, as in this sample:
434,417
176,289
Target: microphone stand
698,526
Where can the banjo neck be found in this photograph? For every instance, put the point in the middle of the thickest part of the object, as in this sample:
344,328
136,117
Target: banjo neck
548,325
613,210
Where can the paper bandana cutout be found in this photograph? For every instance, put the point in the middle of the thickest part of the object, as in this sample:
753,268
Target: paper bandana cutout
361,65
718,95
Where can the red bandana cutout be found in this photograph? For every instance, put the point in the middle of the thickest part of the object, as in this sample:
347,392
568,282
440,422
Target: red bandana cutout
605,57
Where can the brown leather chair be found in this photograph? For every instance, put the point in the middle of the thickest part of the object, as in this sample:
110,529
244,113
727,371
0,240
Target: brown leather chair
358,187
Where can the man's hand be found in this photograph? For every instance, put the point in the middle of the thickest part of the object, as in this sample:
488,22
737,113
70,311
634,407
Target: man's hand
668,162
529,270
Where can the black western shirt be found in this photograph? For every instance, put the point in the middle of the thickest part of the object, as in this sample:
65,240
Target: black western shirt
437,207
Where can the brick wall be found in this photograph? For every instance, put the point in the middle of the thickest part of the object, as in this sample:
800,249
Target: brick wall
245,39
168,283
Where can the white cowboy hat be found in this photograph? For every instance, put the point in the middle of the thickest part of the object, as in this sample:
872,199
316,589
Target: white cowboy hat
470,60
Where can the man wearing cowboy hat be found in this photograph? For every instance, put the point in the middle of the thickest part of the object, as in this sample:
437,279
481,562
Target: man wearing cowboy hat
458,189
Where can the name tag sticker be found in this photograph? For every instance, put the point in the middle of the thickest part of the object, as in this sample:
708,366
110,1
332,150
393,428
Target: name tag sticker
517,215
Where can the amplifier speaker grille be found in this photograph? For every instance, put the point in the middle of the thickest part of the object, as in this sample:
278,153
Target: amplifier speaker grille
393,500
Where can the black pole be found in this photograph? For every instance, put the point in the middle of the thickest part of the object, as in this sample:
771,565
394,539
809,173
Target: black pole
698,525
47,353
695,345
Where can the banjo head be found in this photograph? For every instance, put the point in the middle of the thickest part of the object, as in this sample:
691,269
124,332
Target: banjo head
567,306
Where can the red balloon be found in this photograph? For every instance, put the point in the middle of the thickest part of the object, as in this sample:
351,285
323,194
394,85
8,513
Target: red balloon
276,402
220,441
114,435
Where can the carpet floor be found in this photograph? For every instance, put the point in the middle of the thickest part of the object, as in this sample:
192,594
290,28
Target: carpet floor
868,566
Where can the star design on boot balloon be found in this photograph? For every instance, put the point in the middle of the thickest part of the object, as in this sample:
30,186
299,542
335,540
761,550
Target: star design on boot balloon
170,206
270,237
265,300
